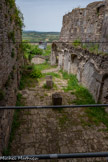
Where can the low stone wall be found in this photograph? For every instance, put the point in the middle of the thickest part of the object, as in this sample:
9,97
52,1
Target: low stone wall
11,60
91,69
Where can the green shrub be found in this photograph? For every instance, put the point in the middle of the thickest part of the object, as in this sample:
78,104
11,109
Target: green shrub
72,81
83,96
94,48
77,43
17,15
29,57
29,76
19,20
36,51
30,67
10,2
47,52
36,74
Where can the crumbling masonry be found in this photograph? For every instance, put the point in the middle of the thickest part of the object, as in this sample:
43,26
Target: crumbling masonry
89,25
11,61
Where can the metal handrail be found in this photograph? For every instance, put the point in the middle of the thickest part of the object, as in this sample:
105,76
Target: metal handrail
52,106
55,156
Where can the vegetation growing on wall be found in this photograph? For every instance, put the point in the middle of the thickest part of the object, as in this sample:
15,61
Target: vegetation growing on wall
83,97
11,36
91,47
17,16
11,3
76,43
19,20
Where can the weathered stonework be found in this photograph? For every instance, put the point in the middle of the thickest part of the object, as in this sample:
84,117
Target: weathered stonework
11,60
91,69
87,24
104,35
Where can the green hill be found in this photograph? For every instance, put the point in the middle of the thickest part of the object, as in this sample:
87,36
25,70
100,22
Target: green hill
35,36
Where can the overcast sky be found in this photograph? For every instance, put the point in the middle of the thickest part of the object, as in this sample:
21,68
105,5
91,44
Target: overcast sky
47,15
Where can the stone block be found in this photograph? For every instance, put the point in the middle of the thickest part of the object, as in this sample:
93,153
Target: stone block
56,99
48,77
49,83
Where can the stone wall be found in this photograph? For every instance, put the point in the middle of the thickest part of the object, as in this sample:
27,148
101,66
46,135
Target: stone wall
11,60
91,69
104,36
87,24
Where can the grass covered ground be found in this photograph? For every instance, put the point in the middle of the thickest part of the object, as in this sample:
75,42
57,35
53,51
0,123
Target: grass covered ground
30,76
83,97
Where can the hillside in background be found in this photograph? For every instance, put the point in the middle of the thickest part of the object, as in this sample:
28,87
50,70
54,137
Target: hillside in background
34,36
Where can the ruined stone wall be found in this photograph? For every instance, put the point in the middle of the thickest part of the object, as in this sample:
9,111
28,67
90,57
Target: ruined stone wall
87,25
104,36
91,69
84,23
11,60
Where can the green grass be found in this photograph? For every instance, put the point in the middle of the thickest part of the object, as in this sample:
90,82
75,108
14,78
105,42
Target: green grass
95,115
83,96
19,100
56,75
32,72
76,43
43,66
27,81
29,77
72,81
64,74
